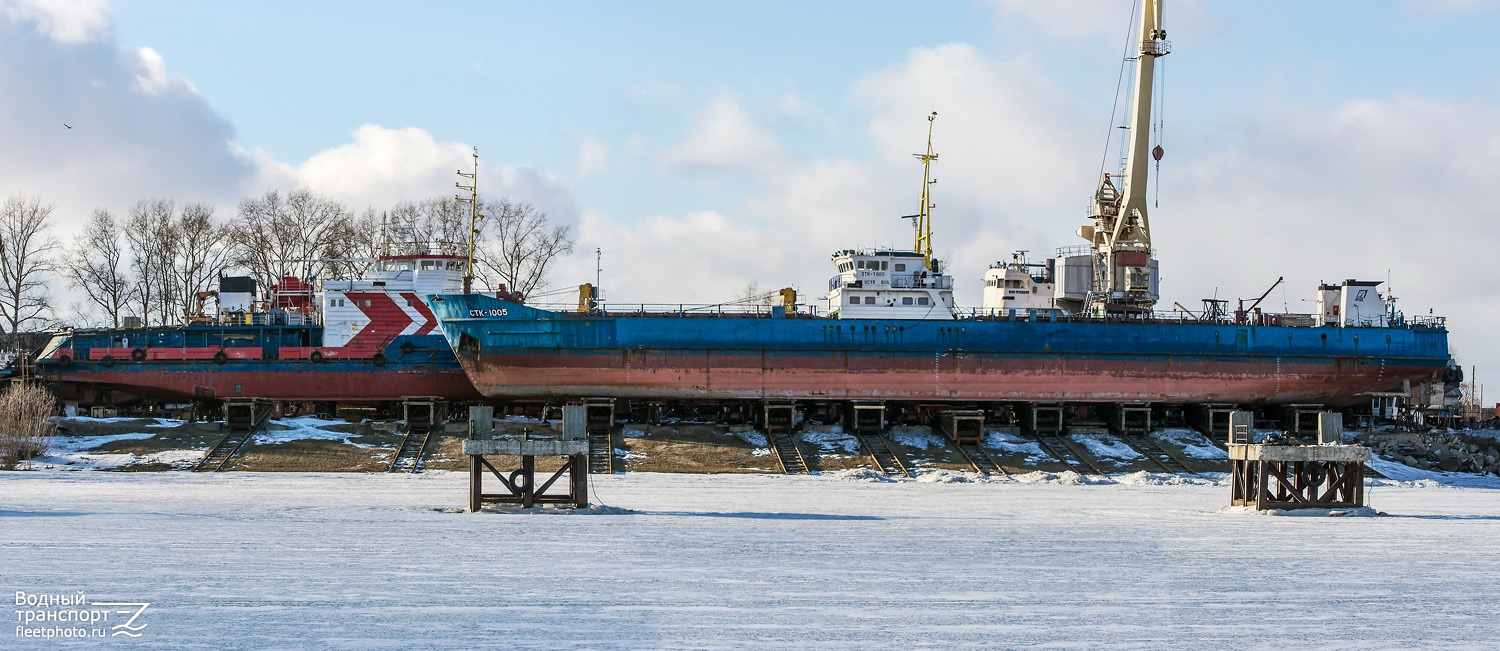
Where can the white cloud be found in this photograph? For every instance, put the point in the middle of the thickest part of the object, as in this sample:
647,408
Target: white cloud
1003,130
64,21
136,131
1008,143
593,155
151,77
1396,186
725,138
380,166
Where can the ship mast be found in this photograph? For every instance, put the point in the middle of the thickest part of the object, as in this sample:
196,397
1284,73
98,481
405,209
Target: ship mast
1121,233
924,214
473,202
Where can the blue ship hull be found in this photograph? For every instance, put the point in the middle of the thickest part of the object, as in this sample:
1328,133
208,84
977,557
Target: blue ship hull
514,351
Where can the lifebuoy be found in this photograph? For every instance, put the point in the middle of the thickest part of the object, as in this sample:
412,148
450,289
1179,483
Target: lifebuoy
138,355
379,359
220,358
316,356
107,361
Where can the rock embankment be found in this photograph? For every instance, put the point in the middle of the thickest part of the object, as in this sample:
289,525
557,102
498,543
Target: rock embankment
1450,452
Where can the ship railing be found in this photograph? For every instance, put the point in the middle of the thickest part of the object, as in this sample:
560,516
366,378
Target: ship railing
685,309
274,317
928,282
1428,321
740,310
838,282
1075,250
408,248
689,310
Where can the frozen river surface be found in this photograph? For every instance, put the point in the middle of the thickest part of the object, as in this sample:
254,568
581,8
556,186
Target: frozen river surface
248,560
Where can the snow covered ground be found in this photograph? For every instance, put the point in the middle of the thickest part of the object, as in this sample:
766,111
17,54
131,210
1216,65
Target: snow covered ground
251,560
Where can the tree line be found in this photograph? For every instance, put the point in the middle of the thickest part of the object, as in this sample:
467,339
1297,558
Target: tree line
154,260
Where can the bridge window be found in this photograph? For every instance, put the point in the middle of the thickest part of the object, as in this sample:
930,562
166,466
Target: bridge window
900,267
922,300
869,300
906,300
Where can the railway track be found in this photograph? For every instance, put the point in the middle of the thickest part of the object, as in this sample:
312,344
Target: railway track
1065,451
1158,454
413,448
982,462
224,450
882,456
787,454
242,419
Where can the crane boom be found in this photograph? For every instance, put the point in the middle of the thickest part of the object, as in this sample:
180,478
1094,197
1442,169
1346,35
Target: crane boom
1124,273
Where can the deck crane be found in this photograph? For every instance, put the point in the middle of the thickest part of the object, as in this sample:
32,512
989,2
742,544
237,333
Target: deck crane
1124,273
1241,314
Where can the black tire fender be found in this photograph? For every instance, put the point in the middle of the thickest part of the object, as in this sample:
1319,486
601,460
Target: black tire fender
519,482
107,362
316,357
220,358
379,359
138,355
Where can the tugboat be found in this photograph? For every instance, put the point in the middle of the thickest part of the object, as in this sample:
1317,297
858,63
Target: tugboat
367,341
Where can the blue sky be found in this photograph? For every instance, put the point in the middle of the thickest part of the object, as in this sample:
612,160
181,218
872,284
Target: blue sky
707,146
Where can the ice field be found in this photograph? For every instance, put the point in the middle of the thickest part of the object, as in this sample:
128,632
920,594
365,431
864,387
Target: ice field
368,561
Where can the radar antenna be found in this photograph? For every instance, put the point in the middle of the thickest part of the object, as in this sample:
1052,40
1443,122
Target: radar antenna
473,202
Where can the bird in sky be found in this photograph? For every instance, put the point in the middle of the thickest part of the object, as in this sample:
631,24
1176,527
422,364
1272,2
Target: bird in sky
67,125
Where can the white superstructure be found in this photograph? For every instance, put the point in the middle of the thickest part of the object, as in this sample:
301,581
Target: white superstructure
885,284
1018,287
390,295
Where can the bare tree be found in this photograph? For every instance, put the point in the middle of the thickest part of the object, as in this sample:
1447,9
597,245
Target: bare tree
202,254
151,236
95,264
432,220
521,246
294,235
352,248
26,257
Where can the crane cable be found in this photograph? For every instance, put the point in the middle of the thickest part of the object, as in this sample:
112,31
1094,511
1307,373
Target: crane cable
1119,83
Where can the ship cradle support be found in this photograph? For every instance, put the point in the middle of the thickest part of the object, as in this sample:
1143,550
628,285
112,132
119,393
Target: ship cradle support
242,419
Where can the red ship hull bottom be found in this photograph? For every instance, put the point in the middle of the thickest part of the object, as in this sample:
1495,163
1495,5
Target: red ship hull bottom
942,377
305,385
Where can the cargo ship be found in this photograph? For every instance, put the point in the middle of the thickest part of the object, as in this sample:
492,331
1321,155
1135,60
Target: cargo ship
368,340
1079,328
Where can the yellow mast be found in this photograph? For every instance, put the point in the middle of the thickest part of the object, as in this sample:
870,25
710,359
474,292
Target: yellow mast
924,215
473,201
